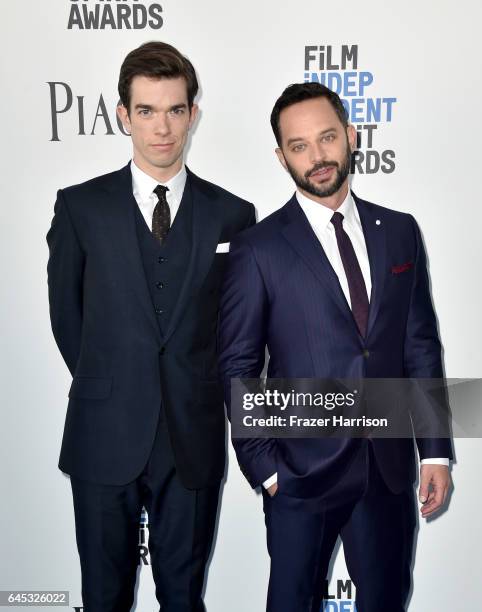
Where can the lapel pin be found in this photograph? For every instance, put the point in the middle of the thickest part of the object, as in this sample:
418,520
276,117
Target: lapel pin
378,222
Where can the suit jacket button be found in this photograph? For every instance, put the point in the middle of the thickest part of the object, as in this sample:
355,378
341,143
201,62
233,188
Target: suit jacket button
159,285
162,350
366,353
159,311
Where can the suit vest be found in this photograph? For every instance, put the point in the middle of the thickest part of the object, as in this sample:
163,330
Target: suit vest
165,265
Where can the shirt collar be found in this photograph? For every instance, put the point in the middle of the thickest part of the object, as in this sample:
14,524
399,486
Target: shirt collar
323,214
143,184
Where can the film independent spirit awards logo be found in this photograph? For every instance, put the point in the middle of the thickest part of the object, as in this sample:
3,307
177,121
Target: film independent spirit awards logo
339,68
114,15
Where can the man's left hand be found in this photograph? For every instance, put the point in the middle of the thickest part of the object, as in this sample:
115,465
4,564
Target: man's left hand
434,485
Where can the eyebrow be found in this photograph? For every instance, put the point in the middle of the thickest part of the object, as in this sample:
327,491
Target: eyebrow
299,139
176,106
150,107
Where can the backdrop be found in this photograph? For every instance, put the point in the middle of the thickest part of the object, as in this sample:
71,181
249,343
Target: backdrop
410,76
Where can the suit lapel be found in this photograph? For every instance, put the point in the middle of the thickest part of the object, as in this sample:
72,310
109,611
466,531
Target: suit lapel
206,229
299,233
121,210
375,239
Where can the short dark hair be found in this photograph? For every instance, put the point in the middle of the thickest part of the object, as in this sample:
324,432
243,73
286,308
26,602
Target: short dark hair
298,92
156,60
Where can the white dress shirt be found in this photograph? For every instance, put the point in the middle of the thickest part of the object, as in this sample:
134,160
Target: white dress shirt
143,187
319,217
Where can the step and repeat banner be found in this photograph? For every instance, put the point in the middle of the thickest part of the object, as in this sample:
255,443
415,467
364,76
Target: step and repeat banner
409,76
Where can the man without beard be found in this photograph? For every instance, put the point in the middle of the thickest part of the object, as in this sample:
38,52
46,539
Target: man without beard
335,287
135,267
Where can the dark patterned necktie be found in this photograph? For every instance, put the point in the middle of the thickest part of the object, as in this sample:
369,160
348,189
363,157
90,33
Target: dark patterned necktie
161,217
354,276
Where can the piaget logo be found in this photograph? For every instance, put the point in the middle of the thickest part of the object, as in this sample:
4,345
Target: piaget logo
114,15
62,103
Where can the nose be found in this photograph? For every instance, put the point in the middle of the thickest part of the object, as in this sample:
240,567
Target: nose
317,152
162,125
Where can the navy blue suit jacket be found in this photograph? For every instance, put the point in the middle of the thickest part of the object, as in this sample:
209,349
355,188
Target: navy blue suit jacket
104,323
281,292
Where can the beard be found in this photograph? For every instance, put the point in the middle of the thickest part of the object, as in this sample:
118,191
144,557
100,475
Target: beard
321,191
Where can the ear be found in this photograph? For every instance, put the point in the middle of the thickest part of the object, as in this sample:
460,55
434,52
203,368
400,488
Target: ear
351,135
124,117
193,115
281,157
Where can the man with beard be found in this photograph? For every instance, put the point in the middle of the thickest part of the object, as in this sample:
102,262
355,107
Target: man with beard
335,287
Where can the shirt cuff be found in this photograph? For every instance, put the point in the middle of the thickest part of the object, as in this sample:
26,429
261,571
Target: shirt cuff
270,481
435,461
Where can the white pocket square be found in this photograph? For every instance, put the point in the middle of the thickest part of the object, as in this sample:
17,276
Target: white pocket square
223,247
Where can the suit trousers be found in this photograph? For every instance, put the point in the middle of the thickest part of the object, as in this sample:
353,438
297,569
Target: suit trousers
181,529
376,527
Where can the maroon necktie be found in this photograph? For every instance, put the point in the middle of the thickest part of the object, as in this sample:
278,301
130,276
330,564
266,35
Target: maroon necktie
356,284
161,217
